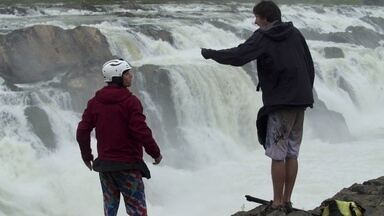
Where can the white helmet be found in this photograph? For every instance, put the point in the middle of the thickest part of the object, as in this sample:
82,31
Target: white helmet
114,68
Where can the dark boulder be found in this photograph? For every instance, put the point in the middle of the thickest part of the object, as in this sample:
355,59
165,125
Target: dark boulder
333,52
251,70
155,81
357,35
124,14
311,34
319,10
370,195
327,125
41,126
373,2
156,33
85,6
242,33
13,10
42,52
39,53
348,88
377,22
130,4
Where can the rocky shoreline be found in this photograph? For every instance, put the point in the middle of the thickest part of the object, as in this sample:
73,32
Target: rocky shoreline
369,194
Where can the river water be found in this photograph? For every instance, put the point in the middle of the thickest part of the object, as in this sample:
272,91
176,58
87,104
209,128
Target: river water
215,159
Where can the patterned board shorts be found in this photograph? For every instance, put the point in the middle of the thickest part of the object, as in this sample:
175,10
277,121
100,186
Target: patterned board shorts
284,134
130,184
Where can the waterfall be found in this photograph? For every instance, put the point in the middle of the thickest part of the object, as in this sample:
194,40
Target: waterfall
201,113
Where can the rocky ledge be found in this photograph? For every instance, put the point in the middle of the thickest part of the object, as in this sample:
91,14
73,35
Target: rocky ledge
370,195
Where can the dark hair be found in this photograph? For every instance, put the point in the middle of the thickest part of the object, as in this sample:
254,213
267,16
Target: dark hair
117,81
268,10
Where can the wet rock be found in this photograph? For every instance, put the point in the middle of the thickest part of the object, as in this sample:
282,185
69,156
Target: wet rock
242,33
40,53
41,126
333,52
124,14
377,22
130,4
258,212
373,2
311,34
84,6
13,10
318,10
83,86
156,33
370,195
155,81
357,35
327,125
251,69
364,36
343,84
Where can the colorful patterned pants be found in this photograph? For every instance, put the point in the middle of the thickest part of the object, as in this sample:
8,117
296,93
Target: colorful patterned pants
130,185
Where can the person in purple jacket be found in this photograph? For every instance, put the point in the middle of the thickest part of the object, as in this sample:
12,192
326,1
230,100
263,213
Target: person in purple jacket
286,74
121,133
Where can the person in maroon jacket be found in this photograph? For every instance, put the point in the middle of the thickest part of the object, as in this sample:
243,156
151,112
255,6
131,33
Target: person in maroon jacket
121,133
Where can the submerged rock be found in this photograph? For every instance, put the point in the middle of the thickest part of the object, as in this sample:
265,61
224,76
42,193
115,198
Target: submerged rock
155,82
156,33
358,35
333,52
41,126
13,10
377,22
327,125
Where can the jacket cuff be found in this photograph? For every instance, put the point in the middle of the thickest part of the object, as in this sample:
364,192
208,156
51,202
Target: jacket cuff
206,53
87,158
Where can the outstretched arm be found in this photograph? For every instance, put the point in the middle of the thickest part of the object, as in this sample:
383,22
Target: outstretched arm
237,56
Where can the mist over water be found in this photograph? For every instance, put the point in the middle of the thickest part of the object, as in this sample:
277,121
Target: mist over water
206,126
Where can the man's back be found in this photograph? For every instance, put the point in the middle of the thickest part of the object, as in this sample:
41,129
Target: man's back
285,67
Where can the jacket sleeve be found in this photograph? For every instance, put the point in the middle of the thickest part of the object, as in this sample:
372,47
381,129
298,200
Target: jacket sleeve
83,134
139,129
309,61
240,55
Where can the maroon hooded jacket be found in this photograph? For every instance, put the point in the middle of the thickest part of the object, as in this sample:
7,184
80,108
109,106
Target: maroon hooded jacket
121,130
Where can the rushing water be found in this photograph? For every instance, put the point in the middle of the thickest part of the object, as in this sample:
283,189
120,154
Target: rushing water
215,160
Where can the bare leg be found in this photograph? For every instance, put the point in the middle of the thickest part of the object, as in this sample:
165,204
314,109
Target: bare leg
278,179
291,167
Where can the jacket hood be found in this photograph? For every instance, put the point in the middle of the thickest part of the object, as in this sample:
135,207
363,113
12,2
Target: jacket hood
112,94
278,31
